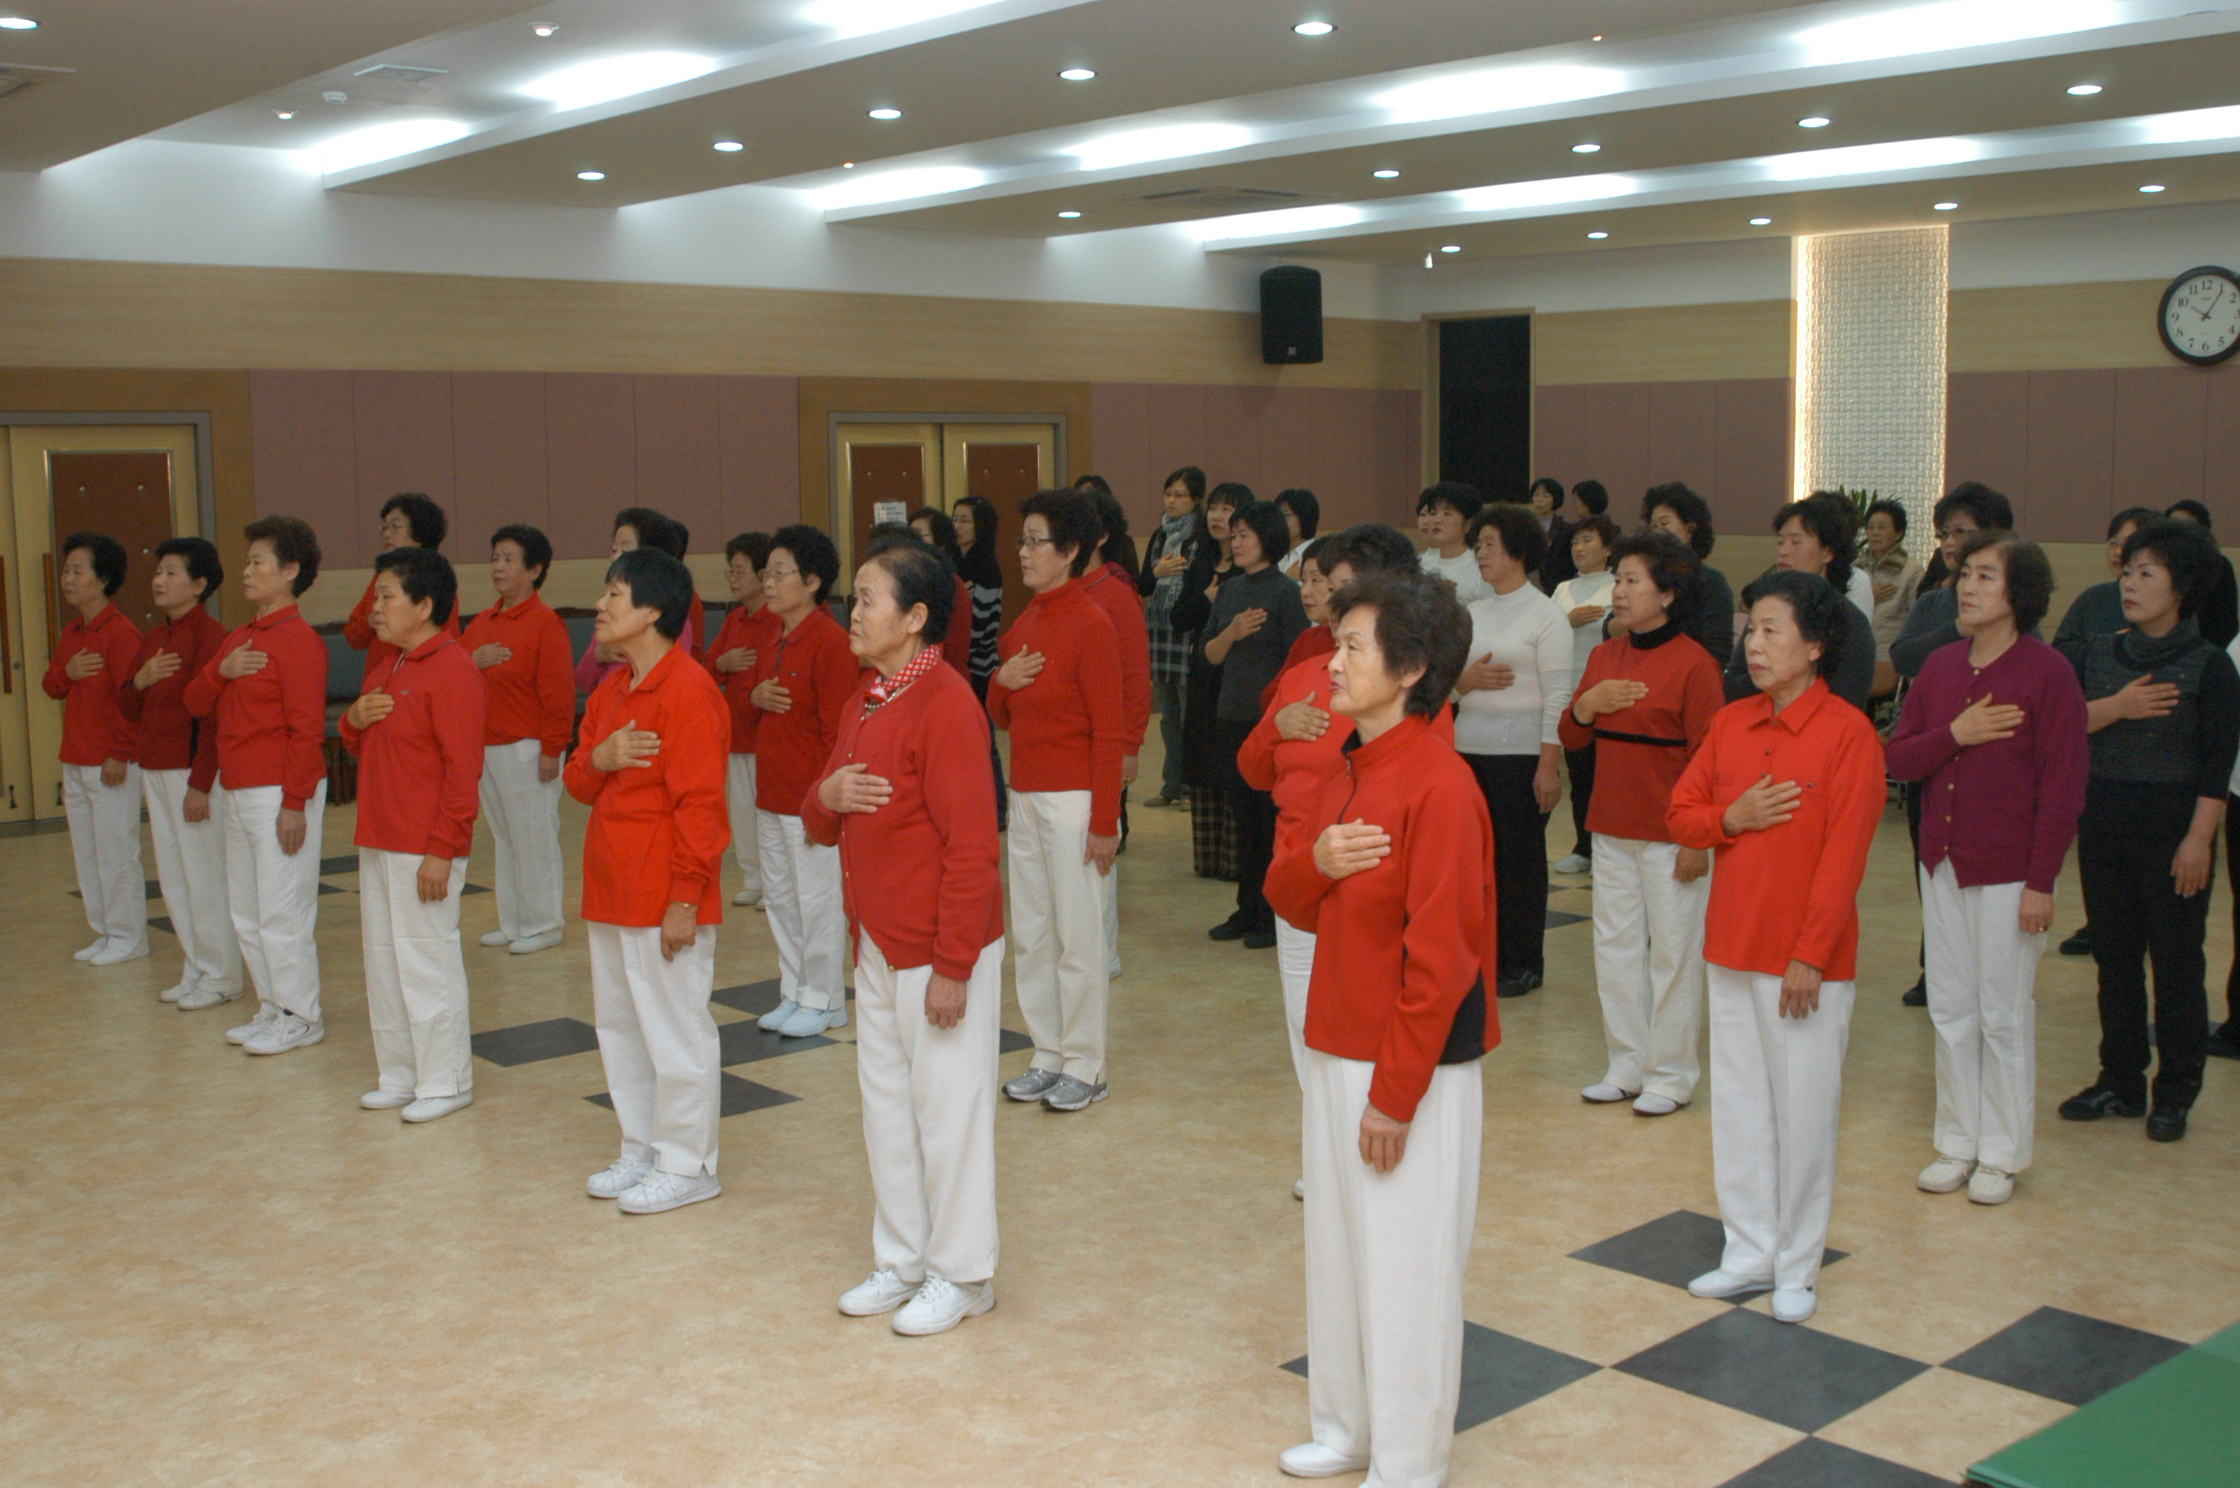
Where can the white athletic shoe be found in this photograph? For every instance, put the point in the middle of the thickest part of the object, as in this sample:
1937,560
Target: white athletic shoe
529,945
436,1107
882,1291
496,939
385,1100
1314,1460
242,1033
174,992
1719,1286
117,955
284,1033
1603,1093
1299,1188
91,951
617,1178
1654,1105
747,898
806,1021
941,1304
659,1192
1794,1305
1575,864
206,997
1945,1175
1990,1185
769,1021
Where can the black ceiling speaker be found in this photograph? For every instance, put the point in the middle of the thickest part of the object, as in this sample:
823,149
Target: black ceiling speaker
1291,315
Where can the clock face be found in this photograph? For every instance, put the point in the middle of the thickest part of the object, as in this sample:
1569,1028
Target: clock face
2201,315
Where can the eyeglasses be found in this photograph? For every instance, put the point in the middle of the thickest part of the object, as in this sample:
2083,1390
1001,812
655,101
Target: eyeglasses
1028,542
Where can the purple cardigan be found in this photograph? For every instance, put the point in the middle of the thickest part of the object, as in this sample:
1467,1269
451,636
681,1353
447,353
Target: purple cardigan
2006,810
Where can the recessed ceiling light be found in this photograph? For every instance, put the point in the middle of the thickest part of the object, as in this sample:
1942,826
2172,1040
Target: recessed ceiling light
1069,216
1947,206
1450,247
1761,222
2084,90
1314,28
591,175
1387,174
1813,121
1596,37
729,147
847,165
884,114
18,23
2151,190
283,113
1585,149
545,28
1598,236
1078,74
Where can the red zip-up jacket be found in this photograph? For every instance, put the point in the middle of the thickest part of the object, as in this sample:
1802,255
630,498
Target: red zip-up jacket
419,768
919,875
272,724
532,692
759,633
171,738
590,671
1404,950
1646,746
358,629
1115,594
1791,892
657,835
1069,727
956,647
94,727
1314,643
819,673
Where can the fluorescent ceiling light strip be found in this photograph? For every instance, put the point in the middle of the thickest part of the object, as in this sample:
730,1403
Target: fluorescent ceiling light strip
2190,126
1282,220
1497,90
609,78
1165,142
869,17
385,142
1513,195
1867,160
902,185
1951,26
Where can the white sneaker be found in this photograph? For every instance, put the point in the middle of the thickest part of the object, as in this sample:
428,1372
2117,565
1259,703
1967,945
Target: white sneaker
1574,864
1793,1305
1299,1188
206,997
91,951
497,938
1945,1175
385,1100
1719,1286
529,945
174,992
747,898
882,1291
284,1033
1112,970
242,1033
436,1107
1603,1093
1314,1460
769,1021
1654,1105
806,1021
617,1178
941,1304
1990,1185
659,1192
117,955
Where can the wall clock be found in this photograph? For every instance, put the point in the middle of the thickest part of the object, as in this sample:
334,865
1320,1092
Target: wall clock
2200,315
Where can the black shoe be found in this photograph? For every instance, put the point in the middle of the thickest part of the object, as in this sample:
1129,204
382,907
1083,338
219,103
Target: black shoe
2167,1124
1917,995
1259,940
2096,1101
1516,983
2079,944
1229,929
2223,1044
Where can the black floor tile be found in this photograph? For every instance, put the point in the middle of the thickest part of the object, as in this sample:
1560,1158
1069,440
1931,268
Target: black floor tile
739,1097
744,1042
756,998
163,923
1674,1250
466,889
1500,1373
328,888
1557,919
1813,1463
346,863
554,1038
1008,1042
2065,1356
1793,1375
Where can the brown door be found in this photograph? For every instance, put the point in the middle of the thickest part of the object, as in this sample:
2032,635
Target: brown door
1006,464
124,494
883,479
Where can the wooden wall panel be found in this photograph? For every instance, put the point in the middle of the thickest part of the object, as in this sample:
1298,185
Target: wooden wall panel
680,453
1683,436
758,422
2160,436
2055,327
1987,431
1675,343
2220,450
1757,424
498,457
2068,492
1728,439
401,426
591,458
306,454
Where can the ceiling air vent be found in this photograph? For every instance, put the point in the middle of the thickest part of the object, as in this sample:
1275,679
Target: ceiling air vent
394,72
1221,200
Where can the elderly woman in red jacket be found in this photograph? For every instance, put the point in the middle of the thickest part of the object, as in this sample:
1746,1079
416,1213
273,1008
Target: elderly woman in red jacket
1394,869
908,800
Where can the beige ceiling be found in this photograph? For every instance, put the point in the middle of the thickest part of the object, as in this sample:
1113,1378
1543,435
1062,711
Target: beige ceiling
136,66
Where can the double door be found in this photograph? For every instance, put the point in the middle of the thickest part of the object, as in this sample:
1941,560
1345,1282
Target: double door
887,470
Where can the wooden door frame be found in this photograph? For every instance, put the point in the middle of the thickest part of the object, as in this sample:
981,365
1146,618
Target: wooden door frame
839,503
205,476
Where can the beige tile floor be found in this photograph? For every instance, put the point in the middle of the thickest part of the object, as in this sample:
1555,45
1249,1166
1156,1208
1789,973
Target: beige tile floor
220,1270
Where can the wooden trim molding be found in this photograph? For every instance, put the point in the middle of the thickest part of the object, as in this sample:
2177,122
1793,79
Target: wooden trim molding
1668,343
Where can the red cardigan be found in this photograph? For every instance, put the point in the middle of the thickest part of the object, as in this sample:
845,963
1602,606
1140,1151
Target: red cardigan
272,724
1115,594
420,768
94,727
956,646
1404,950
1069,727
1314,643
919,875
657,835
171,738
759,633
358,629
533,691
819,671
1640,751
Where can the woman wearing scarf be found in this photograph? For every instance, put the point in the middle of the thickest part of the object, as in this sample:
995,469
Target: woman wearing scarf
1166,558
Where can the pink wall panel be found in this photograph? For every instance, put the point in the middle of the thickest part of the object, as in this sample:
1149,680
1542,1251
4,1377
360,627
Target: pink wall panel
759,437
2159,440
306,461
498,456
2068,488
1232,437
1750,478
1683,444
1987,436
1120,447
591,458
2220,446
403,431
1729,439
1396,456
679,452
1563,427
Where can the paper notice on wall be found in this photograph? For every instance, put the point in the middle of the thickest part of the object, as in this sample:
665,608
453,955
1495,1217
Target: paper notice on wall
890,511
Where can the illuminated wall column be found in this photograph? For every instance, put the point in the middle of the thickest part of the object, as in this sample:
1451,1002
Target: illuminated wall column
1871,368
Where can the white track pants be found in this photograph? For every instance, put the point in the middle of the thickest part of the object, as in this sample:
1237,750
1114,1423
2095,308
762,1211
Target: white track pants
1386,1253
416,977
191,867
1295,964
275,897
1776,1094
801,892
1982,972
105,840
524,817
658,1043
929,1117
1108,889
746,820
1057,932
1648,965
